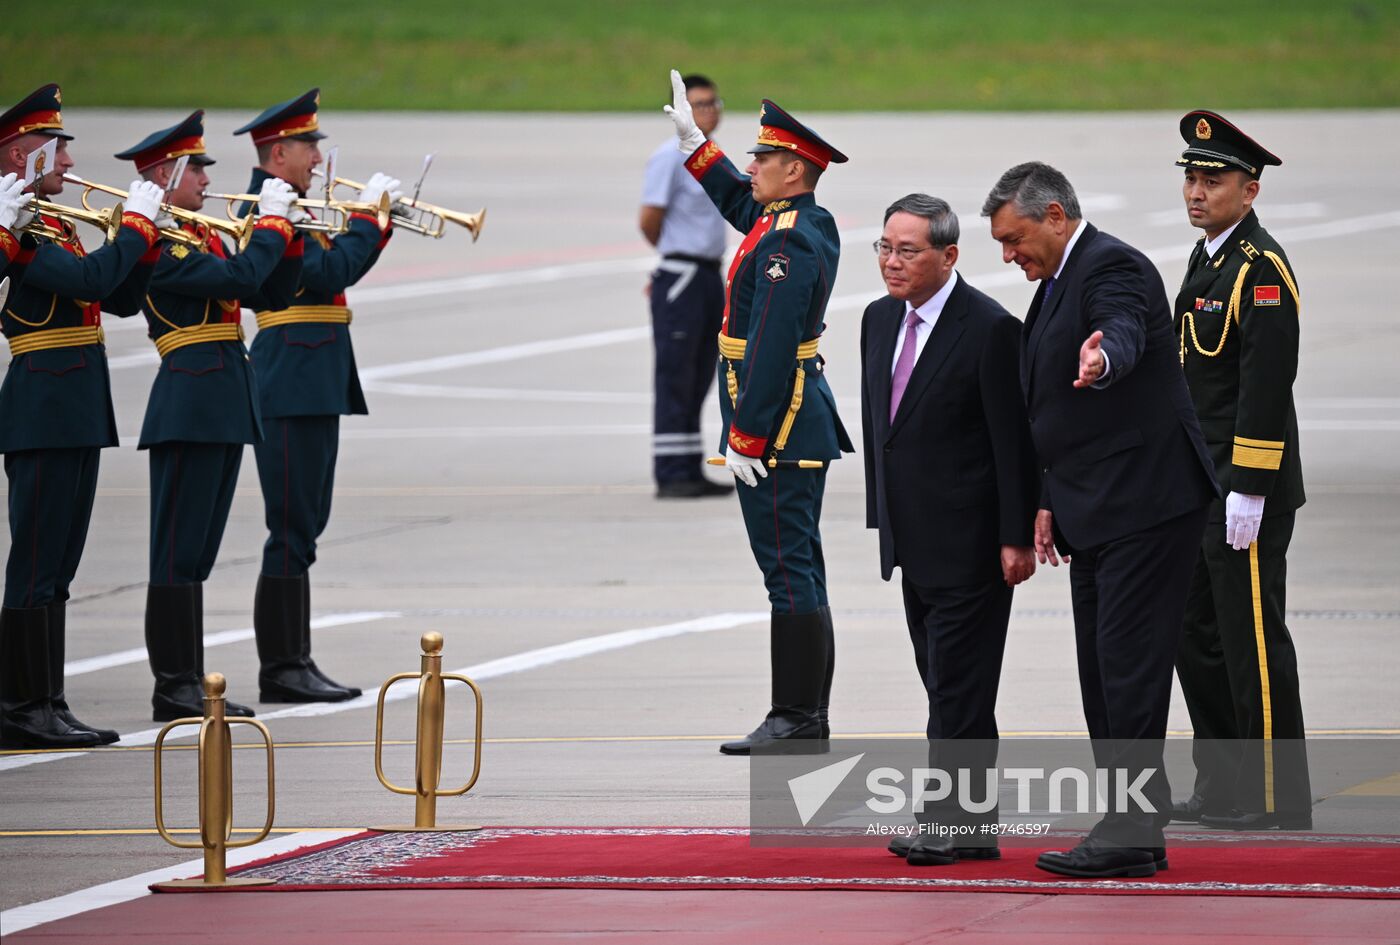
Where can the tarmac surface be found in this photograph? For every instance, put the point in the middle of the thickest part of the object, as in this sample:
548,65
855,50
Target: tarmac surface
500,490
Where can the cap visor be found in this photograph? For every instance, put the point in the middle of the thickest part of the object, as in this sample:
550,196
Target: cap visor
761,148
201,160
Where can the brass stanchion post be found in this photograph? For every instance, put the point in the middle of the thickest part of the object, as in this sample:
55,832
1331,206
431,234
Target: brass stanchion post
428,749
215,791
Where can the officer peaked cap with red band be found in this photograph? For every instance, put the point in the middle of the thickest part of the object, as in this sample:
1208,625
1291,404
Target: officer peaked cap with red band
184,139
295,118
37,113
779,131
1213,144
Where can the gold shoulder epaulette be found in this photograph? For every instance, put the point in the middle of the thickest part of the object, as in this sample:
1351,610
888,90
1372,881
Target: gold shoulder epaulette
785,220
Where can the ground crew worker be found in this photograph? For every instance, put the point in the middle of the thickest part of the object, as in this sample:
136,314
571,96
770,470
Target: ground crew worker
776,405
55,418
1237,319
203,406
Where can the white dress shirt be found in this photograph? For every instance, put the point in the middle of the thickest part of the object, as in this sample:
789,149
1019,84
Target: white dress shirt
1213,246
929,313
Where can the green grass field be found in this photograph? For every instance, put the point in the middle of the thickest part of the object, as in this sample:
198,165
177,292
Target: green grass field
613,56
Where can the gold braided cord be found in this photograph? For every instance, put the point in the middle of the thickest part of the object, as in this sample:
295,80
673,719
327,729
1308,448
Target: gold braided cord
75,337
1188,321
793,407
195,334
305,314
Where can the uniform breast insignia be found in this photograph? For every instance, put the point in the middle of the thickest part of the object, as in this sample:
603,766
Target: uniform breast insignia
1209,305
1266,295
786,221
777,268
179,251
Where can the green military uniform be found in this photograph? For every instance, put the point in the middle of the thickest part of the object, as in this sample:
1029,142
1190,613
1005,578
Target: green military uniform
776,405
55,419
202,410
1237,318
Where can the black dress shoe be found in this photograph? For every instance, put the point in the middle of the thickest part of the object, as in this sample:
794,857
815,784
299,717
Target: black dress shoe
1094,859
1243,820
901,845
296,683
942,851
798,734
1189,811
185,699
692,489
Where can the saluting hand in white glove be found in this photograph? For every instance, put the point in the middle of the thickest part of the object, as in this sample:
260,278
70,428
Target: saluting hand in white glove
1243,515
144,197
747,469
690,135
12,200
276,198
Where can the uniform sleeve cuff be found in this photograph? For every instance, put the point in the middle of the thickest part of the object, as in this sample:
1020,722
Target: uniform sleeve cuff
151,256
1257,454
745,445
367,217
143,226
703,159
296,248
9,246
279,225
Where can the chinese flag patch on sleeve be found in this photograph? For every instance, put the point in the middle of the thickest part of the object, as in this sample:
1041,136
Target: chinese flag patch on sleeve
1266,295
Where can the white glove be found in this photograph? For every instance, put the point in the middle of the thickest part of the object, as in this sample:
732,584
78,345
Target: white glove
144,197
12,200
1243,513
690,135
4,290
297,214
276,198
743,468
378,186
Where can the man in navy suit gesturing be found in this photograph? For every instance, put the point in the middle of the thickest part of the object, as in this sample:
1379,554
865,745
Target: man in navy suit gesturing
1126,480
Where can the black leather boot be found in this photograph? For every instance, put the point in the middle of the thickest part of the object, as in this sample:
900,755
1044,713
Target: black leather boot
825,702
27,719
175,647
799,662
278,623
58,629
306,641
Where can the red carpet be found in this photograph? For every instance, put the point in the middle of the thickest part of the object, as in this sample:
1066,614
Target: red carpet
721,858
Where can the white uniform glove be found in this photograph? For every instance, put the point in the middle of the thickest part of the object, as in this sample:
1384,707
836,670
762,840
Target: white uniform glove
4,290
743,467
276,198
378,186
144,197
690,135
12,200
1243,513
297,214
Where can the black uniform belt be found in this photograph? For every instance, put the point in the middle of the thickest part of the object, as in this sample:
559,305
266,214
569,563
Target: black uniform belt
304,314
697,260
75,337
195,334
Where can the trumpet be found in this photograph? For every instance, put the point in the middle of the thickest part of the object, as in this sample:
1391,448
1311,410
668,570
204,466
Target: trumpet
240,231
106,219
425,219
336,215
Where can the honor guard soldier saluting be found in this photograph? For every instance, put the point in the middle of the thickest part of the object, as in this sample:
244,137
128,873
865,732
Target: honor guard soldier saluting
55,418
204,403
777,408
306,382
1237,320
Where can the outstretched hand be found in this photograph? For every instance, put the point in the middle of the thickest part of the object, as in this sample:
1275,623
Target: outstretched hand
1091,360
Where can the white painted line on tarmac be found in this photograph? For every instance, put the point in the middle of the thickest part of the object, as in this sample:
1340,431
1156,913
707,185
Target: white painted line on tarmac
93,664
529,349
134,887
518,663
487,433
449,392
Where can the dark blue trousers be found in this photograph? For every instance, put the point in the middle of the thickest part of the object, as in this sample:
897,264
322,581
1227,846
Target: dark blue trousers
192,488
296,466
782,515
687,309
51,493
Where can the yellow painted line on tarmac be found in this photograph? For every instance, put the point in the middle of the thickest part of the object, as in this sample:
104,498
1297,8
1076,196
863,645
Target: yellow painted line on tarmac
149,831
604,739
1388,786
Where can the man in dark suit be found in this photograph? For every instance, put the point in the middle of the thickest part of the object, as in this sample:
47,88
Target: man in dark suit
1126,483
950,482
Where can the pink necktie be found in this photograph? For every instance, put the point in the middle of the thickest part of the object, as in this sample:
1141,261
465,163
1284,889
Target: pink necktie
904,366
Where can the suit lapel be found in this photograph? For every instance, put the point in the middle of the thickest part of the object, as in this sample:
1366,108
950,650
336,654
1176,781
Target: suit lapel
884,331
942,339
1063,285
